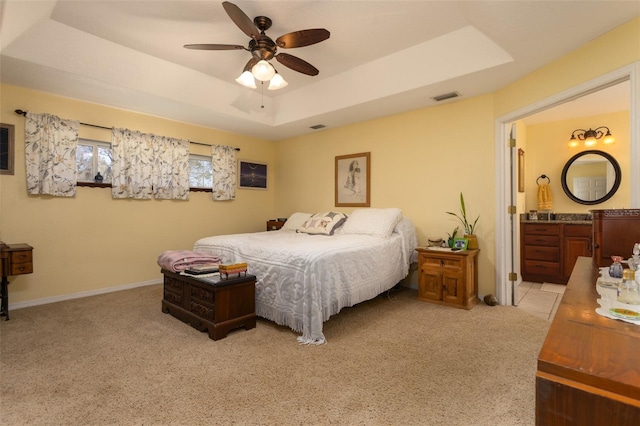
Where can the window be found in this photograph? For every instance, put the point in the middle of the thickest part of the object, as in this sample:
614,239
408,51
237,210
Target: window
6,148
200,172
93,157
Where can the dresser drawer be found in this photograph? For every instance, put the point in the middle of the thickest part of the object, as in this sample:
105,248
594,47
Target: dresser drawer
541,229
535,267
551,254
542,240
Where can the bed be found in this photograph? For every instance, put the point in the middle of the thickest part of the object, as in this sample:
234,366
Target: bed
315,265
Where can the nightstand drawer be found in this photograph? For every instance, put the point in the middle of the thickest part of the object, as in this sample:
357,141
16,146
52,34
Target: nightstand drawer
21,268
22,256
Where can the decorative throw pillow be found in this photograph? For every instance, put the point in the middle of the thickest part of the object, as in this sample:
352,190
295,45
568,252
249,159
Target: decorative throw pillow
295,221
376,222
324,223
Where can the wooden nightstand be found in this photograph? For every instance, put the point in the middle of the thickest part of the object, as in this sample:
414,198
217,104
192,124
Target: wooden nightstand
448,278
15,259
274,225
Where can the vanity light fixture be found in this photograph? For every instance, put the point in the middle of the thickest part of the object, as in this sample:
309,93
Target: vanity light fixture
590,137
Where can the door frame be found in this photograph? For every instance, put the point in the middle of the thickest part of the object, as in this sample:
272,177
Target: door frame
504,242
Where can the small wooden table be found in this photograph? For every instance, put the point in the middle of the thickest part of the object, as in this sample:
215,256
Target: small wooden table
211,304
15,259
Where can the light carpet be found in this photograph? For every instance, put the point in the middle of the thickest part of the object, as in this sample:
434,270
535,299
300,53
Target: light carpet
116,359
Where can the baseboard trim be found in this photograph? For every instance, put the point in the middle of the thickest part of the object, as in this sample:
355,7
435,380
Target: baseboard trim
54,299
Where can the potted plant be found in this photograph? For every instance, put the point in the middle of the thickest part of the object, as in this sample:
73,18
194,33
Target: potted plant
469,226
452,236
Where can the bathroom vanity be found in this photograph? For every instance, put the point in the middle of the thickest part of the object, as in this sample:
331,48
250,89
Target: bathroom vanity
549,248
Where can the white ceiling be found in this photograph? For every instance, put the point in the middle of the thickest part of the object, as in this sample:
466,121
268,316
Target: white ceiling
383,57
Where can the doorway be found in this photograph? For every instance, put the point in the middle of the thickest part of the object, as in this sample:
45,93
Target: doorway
506,240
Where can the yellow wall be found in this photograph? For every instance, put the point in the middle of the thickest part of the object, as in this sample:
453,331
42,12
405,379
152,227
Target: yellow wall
92,242
548,151
420,162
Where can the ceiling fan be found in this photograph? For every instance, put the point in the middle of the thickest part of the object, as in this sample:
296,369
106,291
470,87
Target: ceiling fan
263,48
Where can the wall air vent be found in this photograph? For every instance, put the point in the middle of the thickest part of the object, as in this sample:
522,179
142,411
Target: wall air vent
446,96
318,126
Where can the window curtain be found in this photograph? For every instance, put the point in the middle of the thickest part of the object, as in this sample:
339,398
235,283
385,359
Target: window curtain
171,168
132,164
147,166
50,153
223,159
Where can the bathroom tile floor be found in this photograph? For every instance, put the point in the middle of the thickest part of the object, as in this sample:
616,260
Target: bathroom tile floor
540,299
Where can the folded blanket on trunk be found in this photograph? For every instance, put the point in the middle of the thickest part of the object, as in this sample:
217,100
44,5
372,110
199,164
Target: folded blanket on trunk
179,260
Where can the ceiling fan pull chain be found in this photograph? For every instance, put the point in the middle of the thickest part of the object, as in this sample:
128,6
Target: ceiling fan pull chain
262,93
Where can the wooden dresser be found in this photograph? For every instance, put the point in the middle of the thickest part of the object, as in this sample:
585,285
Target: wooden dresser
614,233
589,365
448,278
15,259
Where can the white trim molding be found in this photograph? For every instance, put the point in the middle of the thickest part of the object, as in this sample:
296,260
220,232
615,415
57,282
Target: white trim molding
79,295
504,245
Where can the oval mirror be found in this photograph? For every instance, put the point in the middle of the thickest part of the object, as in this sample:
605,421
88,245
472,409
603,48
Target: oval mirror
591,177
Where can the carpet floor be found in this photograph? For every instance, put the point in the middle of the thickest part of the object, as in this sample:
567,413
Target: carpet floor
116,359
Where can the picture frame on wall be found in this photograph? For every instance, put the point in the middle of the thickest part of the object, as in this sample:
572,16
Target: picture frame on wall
252,175
353,180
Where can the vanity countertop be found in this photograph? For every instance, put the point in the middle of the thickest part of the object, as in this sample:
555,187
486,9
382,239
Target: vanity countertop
570,222
569,218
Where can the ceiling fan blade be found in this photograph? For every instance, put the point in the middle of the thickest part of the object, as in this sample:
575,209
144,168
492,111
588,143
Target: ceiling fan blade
214,46
250,64
302,38
241,19
296,64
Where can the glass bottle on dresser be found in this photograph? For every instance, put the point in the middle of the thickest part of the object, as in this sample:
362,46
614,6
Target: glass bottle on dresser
628,289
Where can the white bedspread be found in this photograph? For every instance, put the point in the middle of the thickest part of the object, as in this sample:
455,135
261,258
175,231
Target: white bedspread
304,279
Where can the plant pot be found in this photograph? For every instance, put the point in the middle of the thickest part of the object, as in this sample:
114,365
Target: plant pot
473,242
450,242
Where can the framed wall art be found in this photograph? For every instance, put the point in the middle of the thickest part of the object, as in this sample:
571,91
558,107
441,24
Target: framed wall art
353,180
252,175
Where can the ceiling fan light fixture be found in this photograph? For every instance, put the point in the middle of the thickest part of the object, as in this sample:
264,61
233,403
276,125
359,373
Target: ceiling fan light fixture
246,79
277,82
263,70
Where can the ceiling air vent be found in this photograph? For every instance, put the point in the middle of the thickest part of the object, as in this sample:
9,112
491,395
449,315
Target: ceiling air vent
318,126
446,96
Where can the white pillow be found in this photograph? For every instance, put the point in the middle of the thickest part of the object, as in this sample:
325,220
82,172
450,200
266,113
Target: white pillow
376,222
324,223
295,221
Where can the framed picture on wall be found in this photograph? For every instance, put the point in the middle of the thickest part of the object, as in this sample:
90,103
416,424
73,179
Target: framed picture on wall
252,175
6,148
353,180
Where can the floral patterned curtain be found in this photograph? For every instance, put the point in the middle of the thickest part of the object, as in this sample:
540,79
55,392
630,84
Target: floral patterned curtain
50,154
223,159
170,168
132,164
146,166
